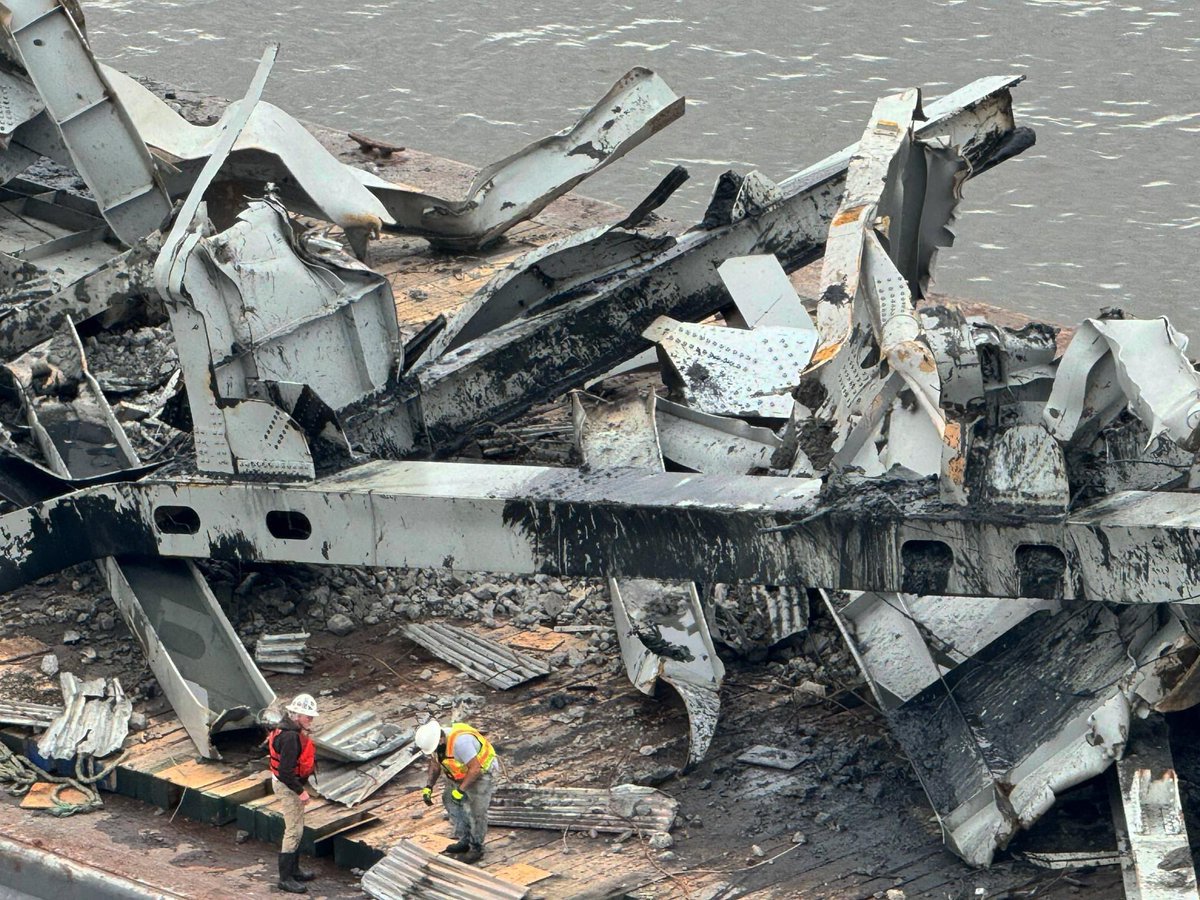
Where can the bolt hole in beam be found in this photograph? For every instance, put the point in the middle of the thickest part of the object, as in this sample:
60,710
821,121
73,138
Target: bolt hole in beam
1042,569
927,566
176,520
289,526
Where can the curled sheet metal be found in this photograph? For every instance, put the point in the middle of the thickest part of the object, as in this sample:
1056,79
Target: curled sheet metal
410,872
324,187
733,371
613,810
706,443
352,783
282,652
359,737
520,186
661,627
494,664
1112,363
95,720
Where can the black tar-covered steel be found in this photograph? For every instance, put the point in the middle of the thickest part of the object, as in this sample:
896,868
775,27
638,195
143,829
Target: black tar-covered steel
597,324
625,523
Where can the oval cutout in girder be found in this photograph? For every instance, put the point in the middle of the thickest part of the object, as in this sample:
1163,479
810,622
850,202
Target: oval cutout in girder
176,519
289,526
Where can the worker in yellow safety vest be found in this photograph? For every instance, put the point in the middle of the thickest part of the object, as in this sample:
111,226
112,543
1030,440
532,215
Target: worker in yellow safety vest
469,761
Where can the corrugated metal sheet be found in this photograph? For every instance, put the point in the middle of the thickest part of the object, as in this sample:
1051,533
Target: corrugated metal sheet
494,664
282,652
94,722
349,784
615,810
787,608
409,872
360,737
31,715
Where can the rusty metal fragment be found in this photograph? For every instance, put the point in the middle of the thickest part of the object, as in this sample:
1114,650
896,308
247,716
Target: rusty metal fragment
1151,832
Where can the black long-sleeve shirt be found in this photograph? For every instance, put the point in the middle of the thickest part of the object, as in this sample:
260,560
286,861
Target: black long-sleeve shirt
287,745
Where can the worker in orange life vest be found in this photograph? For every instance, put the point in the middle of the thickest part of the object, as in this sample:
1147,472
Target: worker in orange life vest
293,760
468,759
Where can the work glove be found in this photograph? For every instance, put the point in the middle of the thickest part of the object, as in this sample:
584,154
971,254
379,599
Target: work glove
458,796
427,796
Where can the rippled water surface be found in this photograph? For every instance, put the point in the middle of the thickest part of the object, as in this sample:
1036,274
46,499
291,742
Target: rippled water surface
1103,211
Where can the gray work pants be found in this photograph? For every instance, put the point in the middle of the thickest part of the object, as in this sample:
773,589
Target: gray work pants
469,818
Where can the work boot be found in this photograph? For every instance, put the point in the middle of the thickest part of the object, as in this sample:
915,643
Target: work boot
298,873
287,881
461,846
474,854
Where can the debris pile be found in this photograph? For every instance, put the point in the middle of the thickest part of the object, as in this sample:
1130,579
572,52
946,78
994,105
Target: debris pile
940,487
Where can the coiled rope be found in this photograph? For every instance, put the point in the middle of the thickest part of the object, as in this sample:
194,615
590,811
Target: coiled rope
18,775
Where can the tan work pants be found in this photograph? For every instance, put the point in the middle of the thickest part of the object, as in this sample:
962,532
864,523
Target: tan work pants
293,815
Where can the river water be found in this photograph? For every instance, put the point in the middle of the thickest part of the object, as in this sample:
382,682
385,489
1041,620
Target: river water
1105,210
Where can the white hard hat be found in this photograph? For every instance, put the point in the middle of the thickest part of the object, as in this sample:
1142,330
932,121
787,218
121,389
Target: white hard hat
303,705
428,736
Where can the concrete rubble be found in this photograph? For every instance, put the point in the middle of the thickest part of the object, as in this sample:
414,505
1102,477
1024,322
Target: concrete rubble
220,384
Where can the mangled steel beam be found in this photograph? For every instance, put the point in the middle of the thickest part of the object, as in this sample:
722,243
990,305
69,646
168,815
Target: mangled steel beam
271,148
111,291
523,287
873,360
234,432
1020,700
713,444
1133,547
660,626
499,376
520,186
1148,815
1114,363
103,142
199,662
